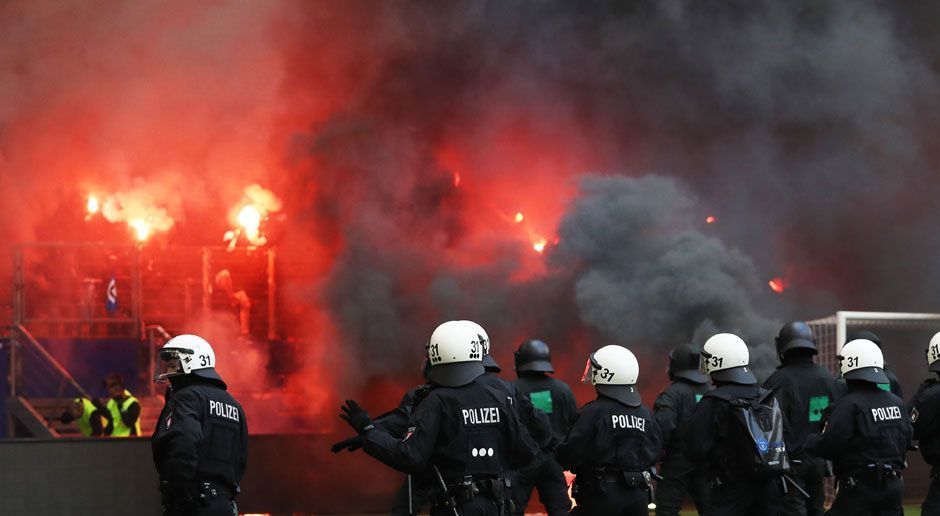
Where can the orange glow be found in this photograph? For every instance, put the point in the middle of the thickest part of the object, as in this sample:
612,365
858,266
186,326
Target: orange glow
92,204
456,179
141,229
539,245
519,217
569,479
710,219
777,285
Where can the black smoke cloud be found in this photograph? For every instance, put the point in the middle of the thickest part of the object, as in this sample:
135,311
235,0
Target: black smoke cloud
805,128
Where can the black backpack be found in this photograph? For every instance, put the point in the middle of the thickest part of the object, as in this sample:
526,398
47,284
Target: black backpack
762,420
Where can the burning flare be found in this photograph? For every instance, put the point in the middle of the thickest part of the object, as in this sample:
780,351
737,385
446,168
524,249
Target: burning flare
252,211
777,285
92,205
519,217
141,229
539,245
710,219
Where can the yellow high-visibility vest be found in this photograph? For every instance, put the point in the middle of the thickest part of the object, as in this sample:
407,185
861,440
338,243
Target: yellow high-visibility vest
120,429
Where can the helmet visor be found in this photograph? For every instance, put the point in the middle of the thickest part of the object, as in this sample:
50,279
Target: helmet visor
703,362
591,367
168,364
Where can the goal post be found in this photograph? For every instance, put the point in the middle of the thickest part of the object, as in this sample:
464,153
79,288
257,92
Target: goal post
830,332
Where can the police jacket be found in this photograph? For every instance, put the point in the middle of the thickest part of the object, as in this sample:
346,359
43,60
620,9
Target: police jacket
611,435
397,421
468,430
551,396
866,426
672,410
804,391
924,411
535,421
201,435
719,442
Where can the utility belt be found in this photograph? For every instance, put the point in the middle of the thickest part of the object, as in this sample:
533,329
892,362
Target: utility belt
192,494
876,474
468,488
596,481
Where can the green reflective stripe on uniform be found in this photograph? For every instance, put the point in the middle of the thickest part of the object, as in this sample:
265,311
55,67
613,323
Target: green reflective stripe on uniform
817,404
885,386
542,400
120,429
698,398
84,422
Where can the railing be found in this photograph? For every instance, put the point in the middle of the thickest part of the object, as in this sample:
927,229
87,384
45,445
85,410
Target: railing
34,372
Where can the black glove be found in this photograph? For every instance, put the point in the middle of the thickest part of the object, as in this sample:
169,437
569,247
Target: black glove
352,444
357,418
98,404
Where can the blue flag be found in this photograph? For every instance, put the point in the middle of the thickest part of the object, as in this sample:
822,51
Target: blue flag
111,303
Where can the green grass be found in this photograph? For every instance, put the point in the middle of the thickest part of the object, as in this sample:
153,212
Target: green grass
909,510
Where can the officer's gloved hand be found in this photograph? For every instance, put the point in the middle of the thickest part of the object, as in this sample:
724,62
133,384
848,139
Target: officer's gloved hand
352,444
357,418
98,404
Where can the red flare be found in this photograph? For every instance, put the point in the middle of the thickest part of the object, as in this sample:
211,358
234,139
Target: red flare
710,219
777,285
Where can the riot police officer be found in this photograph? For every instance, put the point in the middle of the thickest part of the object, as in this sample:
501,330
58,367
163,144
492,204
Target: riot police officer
892,384
533,360
924,411
412,495
804,391
200,443
614,441
866,435
673,409
721,442
465,433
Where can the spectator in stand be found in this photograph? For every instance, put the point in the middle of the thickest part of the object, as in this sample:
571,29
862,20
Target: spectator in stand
237,299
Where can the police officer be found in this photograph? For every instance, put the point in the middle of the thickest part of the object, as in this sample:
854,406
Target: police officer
412,495
924,411
200,444
892,384
804,391
672,410
614,440
465,433
866,434
533,360
720,442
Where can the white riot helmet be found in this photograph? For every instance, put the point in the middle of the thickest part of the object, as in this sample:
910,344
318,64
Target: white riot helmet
455,352
613,370
861,359
488,361
933,354
725,358
185,354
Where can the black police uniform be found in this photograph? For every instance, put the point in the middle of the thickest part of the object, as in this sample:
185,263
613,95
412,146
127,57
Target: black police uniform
471,435
414,492
924,411
866,434
673,409
804,390
200,447
555,399
721,443
609,448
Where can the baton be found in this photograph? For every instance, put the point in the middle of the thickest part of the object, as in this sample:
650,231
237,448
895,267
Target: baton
786,478
453,503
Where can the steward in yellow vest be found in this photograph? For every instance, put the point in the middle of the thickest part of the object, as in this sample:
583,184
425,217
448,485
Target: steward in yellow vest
123,408
89,416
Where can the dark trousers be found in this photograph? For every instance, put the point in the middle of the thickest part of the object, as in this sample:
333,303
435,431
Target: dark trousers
219,506
741,497
617,500
810,474
419,498
931,505
548,477
480,506
681,478
869,500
